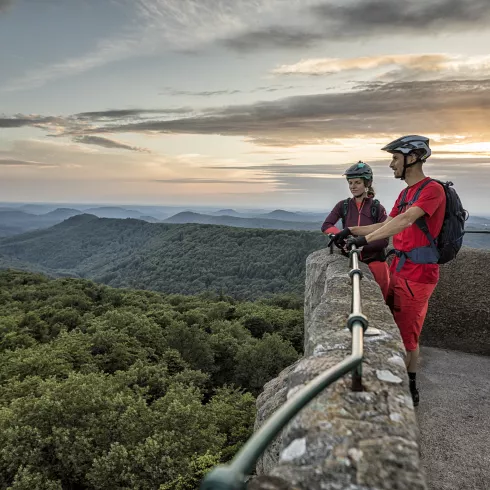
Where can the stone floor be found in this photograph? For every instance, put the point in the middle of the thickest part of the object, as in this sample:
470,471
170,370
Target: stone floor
454,419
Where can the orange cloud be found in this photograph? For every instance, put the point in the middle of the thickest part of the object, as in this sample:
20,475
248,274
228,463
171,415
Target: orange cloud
327,66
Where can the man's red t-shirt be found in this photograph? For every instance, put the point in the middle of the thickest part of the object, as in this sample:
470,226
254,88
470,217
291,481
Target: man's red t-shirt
432,200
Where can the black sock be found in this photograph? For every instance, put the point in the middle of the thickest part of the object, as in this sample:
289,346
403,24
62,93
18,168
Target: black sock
412,377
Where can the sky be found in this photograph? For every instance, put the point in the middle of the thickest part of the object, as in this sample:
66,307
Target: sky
238,103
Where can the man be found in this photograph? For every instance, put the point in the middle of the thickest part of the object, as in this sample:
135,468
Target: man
414,271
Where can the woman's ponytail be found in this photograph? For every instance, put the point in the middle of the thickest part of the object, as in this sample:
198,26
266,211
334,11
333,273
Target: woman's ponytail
370,189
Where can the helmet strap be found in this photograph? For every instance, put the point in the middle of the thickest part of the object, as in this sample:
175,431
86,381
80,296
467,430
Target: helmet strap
407,165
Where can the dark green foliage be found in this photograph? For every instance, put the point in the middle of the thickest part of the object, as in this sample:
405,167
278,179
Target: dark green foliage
262,360
185,259
104,388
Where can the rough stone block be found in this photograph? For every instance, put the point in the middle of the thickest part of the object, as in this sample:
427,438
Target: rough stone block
457,318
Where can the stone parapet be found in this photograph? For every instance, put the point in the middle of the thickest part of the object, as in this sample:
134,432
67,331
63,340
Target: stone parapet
343,440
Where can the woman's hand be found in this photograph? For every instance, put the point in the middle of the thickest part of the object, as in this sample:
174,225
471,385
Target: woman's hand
339,238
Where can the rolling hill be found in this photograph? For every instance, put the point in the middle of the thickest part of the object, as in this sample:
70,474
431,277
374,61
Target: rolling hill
177,258
172,258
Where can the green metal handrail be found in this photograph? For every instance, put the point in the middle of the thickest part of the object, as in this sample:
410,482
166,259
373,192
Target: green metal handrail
232,476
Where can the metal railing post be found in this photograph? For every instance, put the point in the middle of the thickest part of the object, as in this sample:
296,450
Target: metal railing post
356,276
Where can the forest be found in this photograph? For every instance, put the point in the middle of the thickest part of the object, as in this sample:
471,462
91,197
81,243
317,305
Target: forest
104,388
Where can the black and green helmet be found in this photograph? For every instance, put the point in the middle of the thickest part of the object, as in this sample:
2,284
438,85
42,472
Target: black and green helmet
359,170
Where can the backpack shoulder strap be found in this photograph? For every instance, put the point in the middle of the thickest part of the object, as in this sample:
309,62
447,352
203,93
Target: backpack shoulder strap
404,203
421,222
345,210
419,190
375,210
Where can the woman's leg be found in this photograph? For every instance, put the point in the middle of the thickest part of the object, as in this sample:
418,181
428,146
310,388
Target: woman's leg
381,274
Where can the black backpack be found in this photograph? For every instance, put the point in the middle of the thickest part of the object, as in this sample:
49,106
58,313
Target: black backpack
374,210
449,241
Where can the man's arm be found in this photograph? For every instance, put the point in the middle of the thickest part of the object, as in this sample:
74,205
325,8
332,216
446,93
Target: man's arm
366,230
395,225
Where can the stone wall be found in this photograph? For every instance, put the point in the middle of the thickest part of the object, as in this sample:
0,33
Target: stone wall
459,310
343,440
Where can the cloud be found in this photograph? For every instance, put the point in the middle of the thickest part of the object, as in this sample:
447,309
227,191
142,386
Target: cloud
461,152
250,25
190,25
436,107
327,66
160,26
127,113
372,109
300,179
107,143
381,167
11,162
205,93
208,181
211,93
77,124
384,16
273,37
336,21
466,164
23,120
392,68
285,169
454,67
313,181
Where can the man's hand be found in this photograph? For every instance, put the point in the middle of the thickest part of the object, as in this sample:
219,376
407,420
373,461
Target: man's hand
339,238
358,241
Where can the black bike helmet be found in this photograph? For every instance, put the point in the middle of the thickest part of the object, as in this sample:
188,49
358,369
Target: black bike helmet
359,170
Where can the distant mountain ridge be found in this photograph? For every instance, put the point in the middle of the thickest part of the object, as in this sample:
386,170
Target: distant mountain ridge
61,213
280,214
256,222
117,212
14,221
228,212
17,220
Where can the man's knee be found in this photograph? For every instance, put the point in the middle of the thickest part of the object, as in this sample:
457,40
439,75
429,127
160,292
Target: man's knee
410,340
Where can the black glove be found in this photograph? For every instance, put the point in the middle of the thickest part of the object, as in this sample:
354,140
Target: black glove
358,241
339,238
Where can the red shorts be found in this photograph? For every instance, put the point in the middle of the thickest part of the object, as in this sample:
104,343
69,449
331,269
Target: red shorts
408,301
381,274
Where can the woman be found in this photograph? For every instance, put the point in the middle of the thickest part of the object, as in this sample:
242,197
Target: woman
362,209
